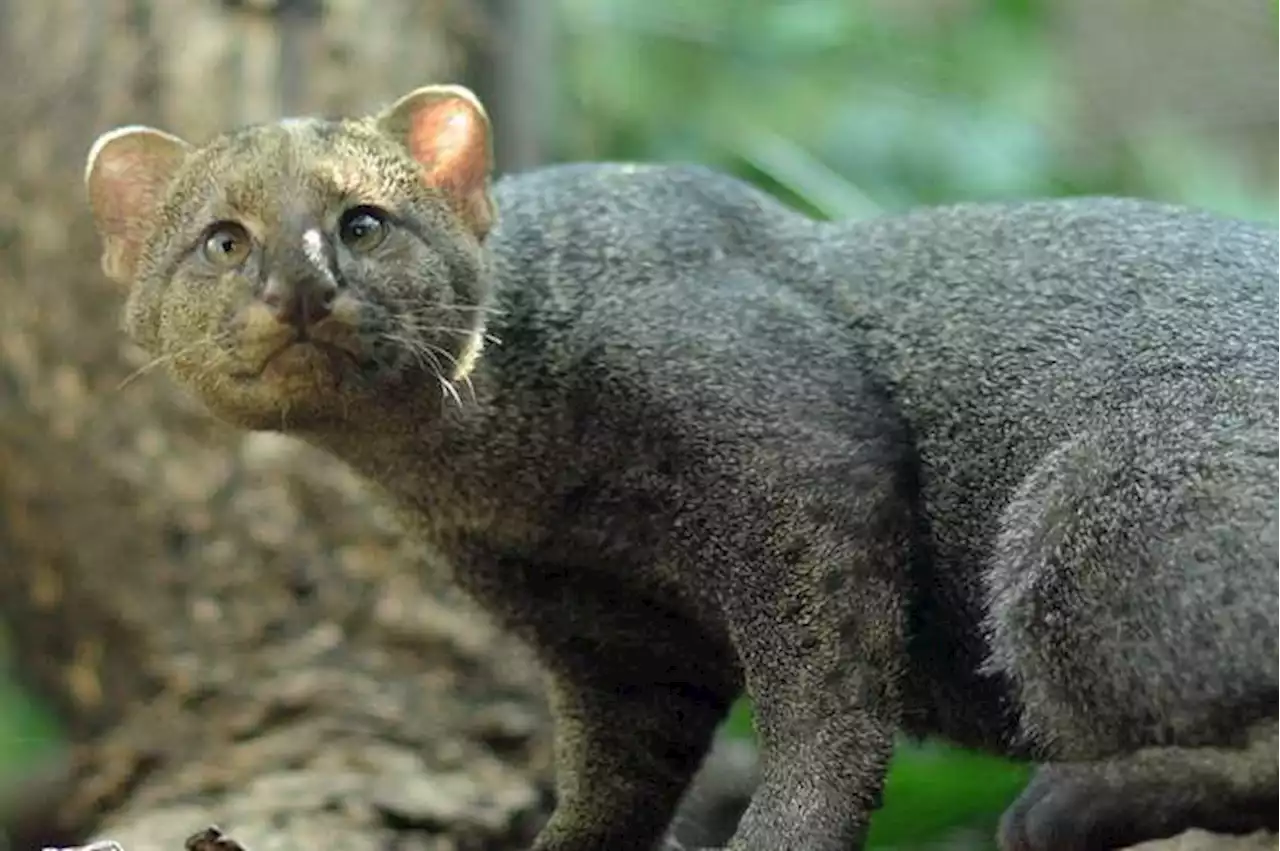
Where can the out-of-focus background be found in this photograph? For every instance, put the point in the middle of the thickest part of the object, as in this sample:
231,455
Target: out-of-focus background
845,108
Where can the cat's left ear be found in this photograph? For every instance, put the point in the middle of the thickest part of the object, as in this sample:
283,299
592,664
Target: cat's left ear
446,130
127,174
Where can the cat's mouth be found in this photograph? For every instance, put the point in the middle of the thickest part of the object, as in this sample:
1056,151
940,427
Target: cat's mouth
301,354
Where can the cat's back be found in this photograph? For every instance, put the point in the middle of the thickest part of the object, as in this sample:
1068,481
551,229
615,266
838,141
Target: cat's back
1002,330
635,224
1063,285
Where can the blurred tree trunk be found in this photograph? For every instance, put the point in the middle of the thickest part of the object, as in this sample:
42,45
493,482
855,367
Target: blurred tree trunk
509,66
232,630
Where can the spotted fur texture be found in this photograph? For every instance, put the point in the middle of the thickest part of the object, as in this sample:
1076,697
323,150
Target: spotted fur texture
1003,473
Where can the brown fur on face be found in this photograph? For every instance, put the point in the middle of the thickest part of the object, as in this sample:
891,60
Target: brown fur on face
408,313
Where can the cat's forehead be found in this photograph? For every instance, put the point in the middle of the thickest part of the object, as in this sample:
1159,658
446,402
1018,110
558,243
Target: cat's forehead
291,142
298,163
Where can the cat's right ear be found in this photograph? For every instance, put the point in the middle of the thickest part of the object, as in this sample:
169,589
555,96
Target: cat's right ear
126,176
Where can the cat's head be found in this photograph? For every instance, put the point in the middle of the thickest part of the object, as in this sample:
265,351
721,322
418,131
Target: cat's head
289,273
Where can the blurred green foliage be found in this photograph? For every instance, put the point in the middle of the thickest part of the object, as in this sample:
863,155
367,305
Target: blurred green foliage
27,729
843,109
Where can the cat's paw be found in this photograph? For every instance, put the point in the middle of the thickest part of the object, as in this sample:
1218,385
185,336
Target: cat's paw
1069,808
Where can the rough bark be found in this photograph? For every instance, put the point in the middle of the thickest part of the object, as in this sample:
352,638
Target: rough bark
510,66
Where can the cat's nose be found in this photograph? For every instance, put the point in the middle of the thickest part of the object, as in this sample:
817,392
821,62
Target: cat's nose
302,302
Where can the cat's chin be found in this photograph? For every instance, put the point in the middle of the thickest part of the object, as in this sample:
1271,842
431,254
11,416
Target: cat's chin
310,366
304,392
296,419
291,385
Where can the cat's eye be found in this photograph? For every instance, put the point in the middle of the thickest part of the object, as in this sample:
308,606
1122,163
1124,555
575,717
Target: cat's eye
363,228
227,244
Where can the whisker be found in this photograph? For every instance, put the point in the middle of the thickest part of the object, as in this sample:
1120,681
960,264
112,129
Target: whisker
433,311
419,329
143,370
471,388
433,347
405,343
474,308
419,352
448,387
209,340
419,322
424,351
488,338
220,357
426,329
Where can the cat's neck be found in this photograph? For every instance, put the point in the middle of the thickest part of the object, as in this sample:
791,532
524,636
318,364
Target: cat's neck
424,442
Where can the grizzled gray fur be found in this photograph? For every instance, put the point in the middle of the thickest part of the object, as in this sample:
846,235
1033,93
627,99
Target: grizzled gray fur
1002,473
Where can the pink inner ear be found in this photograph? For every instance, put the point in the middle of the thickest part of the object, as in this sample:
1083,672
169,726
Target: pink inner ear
128,189
449,140
126,181
127,185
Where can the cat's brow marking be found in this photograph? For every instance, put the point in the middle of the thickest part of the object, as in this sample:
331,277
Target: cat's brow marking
313,247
